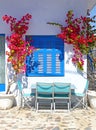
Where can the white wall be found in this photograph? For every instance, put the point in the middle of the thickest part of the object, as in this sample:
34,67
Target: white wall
44,11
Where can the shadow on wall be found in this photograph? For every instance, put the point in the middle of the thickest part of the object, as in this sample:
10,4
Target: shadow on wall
69,54
10,78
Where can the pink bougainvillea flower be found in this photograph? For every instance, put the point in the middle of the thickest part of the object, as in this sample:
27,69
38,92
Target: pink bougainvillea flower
18,47
79,33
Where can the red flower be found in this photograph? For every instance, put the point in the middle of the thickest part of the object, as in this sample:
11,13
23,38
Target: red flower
79,33
18,49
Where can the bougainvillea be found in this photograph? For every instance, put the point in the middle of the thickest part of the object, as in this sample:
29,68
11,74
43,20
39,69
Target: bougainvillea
18,47
80,33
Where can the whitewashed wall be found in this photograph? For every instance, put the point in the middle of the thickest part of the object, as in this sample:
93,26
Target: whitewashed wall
44,11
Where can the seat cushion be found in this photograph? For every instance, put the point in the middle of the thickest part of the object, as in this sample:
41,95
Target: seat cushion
61,84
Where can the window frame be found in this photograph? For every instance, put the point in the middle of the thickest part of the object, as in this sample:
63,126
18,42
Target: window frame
48,49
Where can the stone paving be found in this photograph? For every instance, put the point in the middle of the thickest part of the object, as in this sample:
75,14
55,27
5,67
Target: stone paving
26,119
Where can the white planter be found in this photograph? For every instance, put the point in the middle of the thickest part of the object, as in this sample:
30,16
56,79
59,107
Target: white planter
92,99
6,101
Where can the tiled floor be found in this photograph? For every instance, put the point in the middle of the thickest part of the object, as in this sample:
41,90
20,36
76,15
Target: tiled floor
26,119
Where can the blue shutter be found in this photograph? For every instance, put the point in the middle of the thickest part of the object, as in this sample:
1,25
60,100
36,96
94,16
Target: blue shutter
48,60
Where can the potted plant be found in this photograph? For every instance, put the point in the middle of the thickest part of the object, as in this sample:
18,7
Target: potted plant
80,33
18,48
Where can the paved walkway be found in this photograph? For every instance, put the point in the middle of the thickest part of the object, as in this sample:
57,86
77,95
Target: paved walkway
25,119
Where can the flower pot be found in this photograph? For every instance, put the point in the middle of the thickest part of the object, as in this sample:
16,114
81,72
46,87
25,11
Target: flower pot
92,99
6,101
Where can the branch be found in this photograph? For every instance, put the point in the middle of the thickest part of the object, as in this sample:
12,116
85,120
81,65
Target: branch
56,24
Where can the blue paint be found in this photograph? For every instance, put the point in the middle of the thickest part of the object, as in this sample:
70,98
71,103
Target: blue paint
2,87
48,60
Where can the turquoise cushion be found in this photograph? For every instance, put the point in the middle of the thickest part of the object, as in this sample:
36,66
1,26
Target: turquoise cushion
44,87
45,95
61,95
44,84
62,87
61,84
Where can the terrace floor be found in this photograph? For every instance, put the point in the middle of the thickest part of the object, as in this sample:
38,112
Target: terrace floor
26,119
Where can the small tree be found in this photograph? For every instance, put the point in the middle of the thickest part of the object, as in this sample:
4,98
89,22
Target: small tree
18,47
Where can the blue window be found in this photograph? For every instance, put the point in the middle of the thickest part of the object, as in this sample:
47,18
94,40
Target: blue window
2,62
48,59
